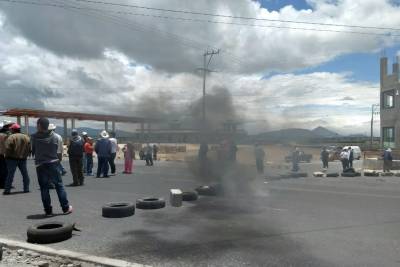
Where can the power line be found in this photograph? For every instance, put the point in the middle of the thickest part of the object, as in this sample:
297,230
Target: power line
235,17
386,34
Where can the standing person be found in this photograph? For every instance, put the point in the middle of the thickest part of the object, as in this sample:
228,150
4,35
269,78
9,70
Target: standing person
103,151
344,157
387,160
351,157
75,153
149,155
4,133
60,149
129,156
325,158
232,150
141,154
259,154
17,150
44,149
84,162
89,156
114,150
295,160
155,151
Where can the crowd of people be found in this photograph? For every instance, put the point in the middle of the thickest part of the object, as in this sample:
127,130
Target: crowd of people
47,149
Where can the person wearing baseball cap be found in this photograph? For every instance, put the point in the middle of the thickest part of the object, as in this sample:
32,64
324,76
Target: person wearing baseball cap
44,148
75,153
17,150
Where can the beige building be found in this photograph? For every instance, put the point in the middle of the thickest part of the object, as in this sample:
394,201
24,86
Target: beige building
390,105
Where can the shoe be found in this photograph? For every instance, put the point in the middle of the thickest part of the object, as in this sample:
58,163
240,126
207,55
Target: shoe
73,184
69,210
6,193
112,174
26,191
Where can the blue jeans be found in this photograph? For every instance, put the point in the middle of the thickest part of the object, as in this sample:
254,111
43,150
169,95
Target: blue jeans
48,173
102,167
12,165
89,163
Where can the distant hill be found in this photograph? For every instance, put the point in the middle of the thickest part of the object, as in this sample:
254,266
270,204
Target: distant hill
325,133
288,135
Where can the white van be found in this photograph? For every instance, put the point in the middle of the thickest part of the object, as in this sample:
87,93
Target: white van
357,153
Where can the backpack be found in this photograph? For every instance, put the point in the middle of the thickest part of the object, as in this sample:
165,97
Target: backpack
76,148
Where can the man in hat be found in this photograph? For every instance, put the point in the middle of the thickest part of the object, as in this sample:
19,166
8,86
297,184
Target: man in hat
114,150
17,150
103,151
60,149
44,148
387,160
84,162
75,153
4,133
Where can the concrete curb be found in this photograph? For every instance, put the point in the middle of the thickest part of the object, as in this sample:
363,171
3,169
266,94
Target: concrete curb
69,254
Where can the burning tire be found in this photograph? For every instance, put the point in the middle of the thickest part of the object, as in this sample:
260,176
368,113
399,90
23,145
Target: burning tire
150,203
118,210
49,232
189,196
209,190
371,173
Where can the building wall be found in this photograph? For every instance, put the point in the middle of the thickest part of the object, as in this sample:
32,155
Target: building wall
390,117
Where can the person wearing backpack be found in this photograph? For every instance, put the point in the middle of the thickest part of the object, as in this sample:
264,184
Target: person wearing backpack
75,153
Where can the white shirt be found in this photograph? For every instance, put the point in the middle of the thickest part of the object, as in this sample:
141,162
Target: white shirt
114,145
345,155
60,148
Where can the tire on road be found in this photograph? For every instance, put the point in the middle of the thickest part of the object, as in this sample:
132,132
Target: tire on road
150,203
350,174
332,174
118,210
371,174
189,196
210,190
49,232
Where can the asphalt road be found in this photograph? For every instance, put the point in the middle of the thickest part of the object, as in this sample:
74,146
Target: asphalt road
290,222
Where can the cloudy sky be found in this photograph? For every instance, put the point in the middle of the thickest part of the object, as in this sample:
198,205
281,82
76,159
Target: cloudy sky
90,56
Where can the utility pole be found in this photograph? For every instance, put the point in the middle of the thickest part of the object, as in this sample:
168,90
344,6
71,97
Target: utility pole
373,112
210,54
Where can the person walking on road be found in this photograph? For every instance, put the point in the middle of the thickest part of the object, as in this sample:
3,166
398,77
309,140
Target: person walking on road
149,155
129,156
89,156
60,149
17,150
84,163
344,158
75,153
351,157
44,149
155,151
387,160
103,151
114,150
4,133
259,154
325,158
295,160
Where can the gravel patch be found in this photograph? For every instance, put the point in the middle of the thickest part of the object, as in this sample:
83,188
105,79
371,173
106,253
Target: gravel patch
24,258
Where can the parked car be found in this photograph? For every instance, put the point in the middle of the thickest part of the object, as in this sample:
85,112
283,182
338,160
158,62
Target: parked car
303,157
356,152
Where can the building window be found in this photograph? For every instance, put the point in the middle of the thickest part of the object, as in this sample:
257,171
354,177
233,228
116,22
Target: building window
388,137
388,99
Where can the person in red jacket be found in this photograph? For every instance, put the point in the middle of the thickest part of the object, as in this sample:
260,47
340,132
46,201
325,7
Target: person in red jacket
89,156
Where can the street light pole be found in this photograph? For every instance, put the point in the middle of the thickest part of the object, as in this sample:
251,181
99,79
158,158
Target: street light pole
372,123
210,53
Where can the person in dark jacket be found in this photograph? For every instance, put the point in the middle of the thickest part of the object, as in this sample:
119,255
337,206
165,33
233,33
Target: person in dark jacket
259,154
44,149
351,157
149,155
295,160
387,160
325,158
75,153
17,150
155,151
4,133
103,151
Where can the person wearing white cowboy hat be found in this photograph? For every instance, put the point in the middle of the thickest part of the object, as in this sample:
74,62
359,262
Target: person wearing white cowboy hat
84,160
103,151
60,148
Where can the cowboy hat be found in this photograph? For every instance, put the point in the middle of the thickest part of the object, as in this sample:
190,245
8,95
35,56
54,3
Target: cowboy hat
52,127
104,134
